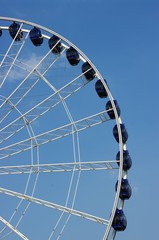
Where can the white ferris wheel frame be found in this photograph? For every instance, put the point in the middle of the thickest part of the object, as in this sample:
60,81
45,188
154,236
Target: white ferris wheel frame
56,133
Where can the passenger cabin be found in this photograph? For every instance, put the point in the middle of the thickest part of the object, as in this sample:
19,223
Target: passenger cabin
125,191
55,44
36,36
127,162
15,32
119,221
72,56
123,133
110,110
100,89
88,71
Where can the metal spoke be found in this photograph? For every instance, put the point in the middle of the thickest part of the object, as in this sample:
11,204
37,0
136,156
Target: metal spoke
13,228
13,50
59,167
10,65
53,134
55,206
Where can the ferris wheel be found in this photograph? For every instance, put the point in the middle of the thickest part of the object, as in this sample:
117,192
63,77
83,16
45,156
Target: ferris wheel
63,156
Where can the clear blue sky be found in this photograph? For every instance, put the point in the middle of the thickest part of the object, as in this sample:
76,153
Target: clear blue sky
121,37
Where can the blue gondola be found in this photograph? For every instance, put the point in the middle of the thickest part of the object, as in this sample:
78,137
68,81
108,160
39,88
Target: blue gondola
123,133
88,71
127,162
100,89
125,191
72,56
0,32
120,221
14,29
36,36
55,44
110,111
